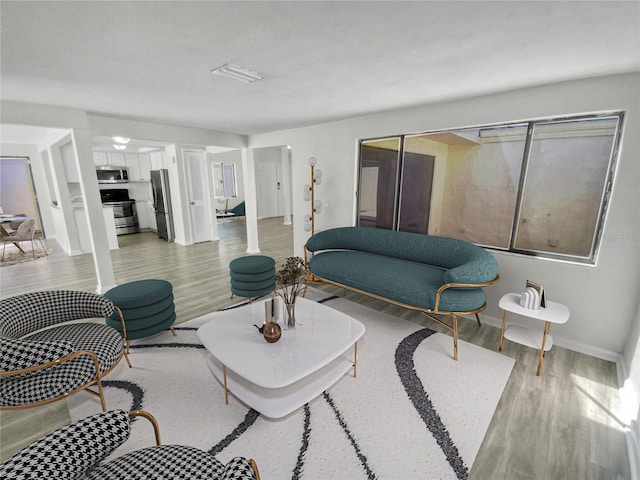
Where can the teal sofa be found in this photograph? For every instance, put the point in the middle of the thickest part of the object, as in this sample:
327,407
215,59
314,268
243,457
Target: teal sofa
434,275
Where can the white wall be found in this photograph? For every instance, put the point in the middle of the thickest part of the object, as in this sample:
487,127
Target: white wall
602,299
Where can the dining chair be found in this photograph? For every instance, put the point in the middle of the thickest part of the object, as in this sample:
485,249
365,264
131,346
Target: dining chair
25,233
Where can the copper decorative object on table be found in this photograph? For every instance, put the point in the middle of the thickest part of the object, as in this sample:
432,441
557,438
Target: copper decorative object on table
271,332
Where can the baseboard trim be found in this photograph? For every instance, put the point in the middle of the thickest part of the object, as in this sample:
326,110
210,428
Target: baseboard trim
567,343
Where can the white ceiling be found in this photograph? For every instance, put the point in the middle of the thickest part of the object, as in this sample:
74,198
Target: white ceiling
323,60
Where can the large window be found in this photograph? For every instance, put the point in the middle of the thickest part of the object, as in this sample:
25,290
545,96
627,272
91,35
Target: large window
537,187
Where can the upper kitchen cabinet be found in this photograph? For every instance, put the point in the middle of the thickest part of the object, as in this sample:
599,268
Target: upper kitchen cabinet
115,159
100,159
132,164
157,160
139,165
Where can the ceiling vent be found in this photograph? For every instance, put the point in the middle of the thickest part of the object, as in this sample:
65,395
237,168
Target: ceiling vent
238,73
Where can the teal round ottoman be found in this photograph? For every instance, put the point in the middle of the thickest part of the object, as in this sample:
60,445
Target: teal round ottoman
252,276
146,305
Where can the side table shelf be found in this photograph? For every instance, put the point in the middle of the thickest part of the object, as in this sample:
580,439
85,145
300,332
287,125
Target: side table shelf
553,313
528,337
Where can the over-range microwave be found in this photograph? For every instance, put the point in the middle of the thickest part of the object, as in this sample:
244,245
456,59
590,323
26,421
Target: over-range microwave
112,174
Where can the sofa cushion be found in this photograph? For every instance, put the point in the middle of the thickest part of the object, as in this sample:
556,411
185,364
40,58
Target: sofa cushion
408,282
466,262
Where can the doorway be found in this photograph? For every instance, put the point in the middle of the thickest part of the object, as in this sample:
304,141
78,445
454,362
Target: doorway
17,190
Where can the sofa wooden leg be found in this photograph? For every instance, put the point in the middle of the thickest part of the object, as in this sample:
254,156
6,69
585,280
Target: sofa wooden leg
455,336
478,320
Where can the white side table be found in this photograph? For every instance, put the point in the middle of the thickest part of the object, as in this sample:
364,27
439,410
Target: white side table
553,313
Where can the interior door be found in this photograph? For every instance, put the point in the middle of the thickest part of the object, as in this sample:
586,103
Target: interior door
268,183
195,161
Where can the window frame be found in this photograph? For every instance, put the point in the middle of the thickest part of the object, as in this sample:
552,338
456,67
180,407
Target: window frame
605,196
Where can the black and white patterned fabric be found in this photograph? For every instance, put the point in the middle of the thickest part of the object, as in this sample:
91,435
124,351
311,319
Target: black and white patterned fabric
19,354
163,462
69,452
238,468
76,449
172,462
22,315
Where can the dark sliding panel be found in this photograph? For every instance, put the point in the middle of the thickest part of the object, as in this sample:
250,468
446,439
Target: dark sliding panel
378,183
415,192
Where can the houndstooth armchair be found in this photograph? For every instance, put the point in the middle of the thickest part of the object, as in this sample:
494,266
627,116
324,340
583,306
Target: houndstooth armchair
43,357
77,449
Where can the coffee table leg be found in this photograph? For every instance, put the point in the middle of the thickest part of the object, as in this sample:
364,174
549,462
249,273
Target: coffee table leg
355,358
226,390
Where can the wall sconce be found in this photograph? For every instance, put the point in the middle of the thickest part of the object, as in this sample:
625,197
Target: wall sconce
309,195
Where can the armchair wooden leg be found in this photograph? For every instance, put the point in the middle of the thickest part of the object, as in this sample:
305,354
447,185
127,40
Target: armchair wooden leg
254,467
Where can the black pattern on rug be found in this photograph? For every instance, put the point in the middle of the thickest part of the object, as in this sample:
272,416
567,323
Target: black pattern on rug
420,399
345,428
305,443
136,392
249,419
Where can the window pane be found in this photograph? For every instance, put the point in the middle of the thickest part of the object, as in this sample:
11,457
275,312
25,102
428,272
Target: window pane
229,177
378,183
566,176
475,182
218,182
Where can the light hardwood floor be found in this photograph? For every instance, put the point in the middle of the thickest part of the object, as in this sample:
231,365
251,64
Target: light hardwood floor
562,425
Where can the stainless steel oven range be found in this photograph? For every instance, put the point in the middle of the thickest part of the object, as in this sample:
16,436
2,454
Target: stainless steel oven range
124,209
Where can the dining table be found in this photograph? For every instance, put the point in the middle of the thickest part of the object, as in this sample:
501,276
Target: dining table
8,218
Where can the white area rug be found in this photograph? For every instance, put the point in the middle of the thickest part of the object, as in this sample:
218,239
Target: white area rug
411,413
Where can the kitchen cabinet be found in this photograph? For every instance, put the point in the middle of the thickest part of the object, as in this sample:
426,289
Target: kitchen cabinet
139,165
144,161
132,164
100,159
115,159
157,160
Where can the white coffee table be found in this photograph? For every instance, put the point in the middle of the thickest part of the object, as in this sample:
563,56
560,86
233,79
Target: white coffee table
277,378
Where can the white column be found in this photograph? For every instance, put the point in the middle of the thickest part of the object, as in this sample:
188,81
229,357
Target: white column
285,160
250,200
93,210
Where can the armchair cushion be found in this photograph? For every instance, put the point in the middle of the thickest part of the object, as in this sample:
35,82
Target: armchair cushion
24,314
162,462
70,451
19,354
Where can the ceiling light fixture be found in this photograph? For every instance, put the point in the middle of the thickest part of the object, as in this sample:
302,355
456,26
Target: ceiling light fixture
119,146
238,73
123,140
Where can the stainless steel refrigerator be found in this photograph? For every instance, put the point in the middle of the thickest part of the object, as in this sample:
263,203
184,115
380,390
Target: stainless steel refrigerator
162,203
